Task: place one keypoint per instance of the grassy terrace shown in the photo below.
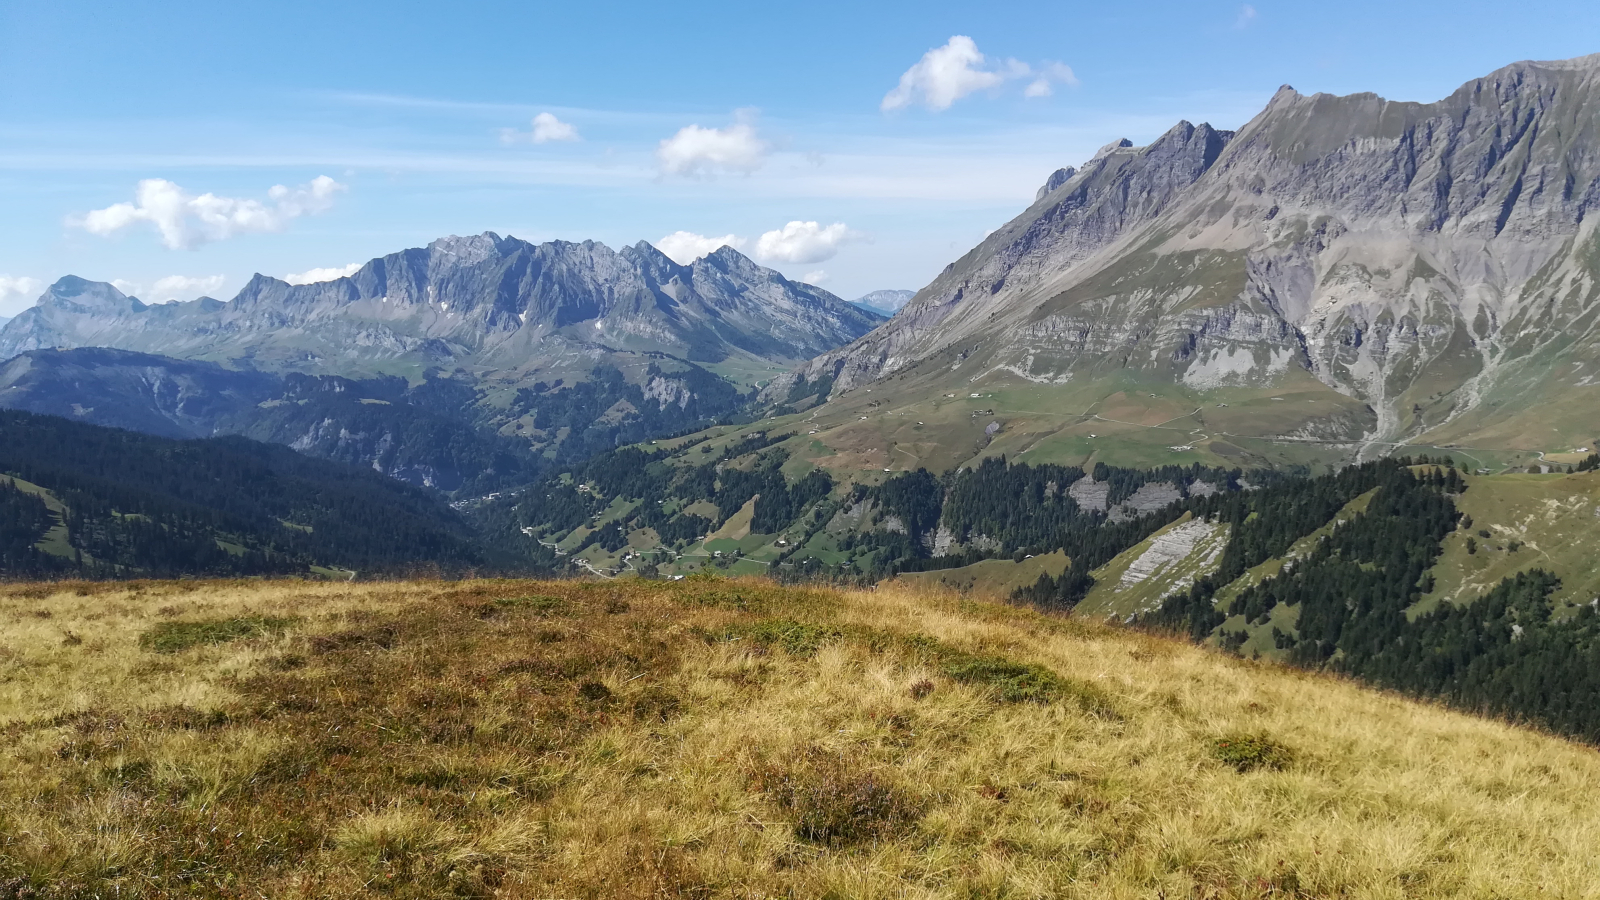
(727, 739)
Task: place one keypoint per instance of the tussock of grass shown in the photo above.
(175, 637)
(400, 742)
(1248, 752)
(837, 799)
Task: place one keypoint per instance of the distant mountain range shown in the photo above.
(484, 302)
(1387, 271)
(883, 302)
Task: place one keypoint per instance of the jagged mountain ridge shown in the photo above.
(484, 300)
(1436, 262)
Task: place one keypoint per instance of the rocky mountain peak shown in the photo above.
(467, 251)
(72, 292)
(1114, 146)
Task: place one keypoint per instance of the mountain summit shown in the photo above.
(1415, 271)
(481, 300)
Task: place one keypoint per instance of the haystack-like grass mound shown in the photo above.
(727, 739)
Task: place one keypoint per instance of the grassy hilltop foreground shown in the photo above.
(720, 738)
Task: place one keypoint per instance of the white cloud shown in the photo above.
(702, 151)
(546, 128)
(1048, 75)
(818, 278)
(684, 247)
(803, 242)
(1247, 14)
(17, 291)
(312, 276)
(18, 286)
(946, 74)
(184, 287)
(187, 221)
(172, 287)
(943, 76)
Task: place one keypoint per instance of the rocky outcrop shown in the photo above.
(1173, 546)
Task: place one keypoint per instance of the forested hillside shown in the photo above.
(87, 501)
(737, 499)
(449, 431)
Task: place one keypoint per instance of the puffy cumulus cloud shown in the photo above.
(185, 287)
(703, 151)
(684, 247)
(943, 76)
(818, 278)
(546, 129)
(312, 276)
(946, 74)
(186, 221)
(1047, 76)
(803, 242)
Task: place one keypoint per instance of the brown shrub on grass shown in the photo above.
(836, 798)
(1248, 752)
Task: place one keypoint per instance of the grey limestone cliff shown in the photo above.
(1431, 260)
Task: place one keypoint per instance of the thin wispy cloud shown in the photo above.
(1247, 14)
(1049, 75)
(186, 221)
(185, 287)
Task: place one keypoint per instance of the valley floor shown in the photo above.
(727, 738)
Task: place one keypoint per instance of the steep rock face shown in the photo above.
(1431, 260)
(1120, 189)
(481, 300)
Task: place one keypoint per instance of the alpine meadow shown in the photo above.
(811, 468)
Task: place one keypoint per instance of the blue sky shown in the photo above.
(286, 137)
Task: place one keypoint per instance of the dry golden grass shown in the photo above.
(727, 739)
